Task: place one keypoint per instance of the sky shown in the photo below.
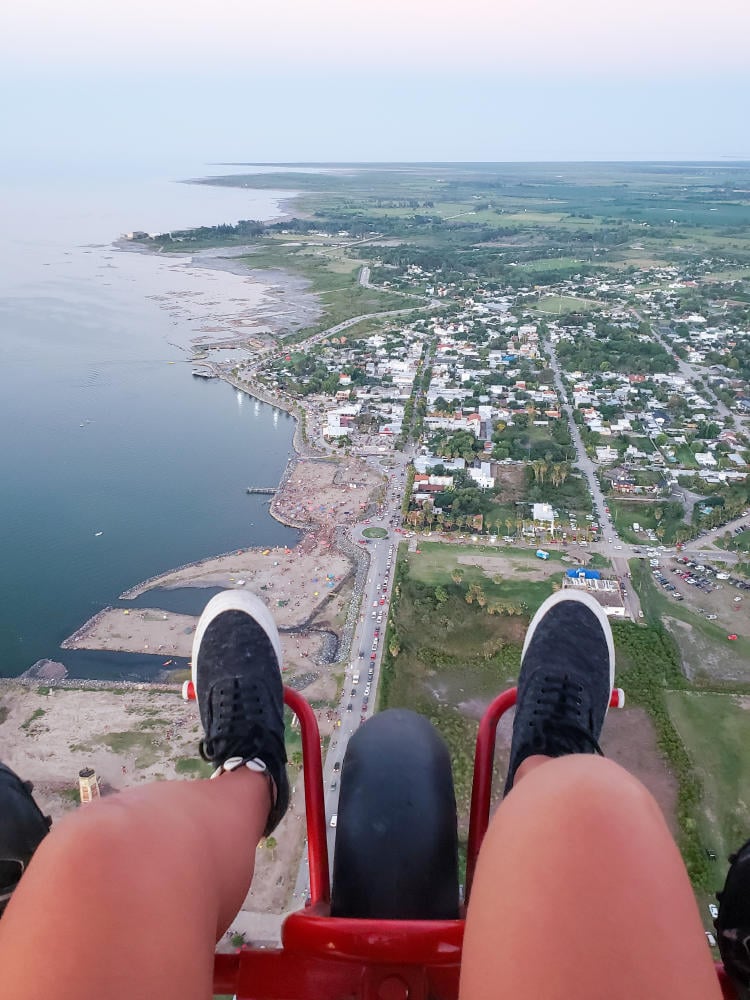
(332, 80)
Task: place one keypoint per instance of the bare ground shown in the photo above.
(131, 736)
(508, 566)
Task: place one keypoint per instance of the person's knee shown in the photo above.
(582, 788)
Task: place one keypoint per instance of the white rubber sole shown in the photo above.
(235, 600)
(593, 605)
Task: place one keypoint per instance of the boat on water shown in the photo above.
(203, 374)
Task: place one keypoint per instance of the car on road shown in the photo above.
(334, 785)
(732, 636)
(367, 691)
(349, 707)
(713, 909)
(337, 766)
(334, 820)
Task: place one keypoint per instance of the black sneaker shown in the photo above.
(23, 827)
(237, 679)
(567, 672)
(733, 922)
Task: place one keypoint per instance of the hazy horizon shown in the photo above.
(288, 83)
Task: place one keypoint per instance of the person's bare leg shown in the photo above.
(580, 892)
(127, 897)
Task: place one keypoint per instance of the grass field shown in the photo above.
(714, 728)
(626, 513)
(740, 542)
(686, 457)
(559, 305)
(435, 565)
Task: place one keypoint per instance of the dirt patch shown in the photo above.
(510, 480)
(506, 566)
(133, 735)
(629, 739)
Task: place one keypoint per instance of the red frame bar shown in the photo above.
(317, 845)
(481, 789)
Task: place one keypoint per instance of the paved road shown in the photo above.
(661, 332)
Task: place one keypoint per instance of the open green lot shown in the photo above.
(435, 563)
(740, 542)
(560, 305)
(714, 728)
(686, 457)
(660, 516)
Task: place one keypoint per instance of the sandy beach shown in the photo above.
(306, 587)
(130, 735)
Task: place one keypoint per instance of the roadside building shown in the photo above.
(607, 592)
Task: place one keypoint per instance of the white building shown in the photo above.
(543, 512)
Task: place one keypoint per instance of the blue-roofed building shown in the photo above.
(580, 573)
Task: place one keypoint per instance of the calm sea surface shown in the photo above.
(115, 463)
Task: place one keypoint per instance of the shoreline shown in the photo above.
(344, 485)
(308, 473)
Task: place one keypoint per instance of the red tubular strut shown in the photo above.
(317, 846)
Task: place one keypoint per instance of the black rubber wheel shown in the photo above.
(396, 853)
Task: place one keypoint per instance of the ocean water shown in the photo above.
(115, 462)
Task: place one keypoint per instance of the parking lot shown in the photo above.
(708, 590)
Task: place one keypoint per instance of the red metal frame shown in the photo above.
(339, 958)
(317, 845)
